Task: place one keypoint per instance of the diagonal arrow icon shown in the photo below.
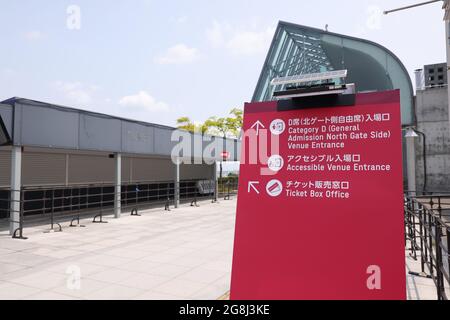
(252, 185)
(258, 125)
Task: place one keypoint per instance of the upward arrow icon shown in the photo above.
(258, 125)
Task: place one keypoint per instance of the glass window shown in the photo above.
(298, 50)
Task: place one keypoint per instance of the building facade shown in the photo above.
(433, 143)
(86, 160)
(435, 75)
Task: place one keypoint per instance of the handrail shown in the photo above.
(59, 203)
(428, 232)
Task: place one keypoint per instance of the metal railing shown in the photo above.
(427, 221)
(228, 187)
(11, 213)
(5, 199)
(55, 205)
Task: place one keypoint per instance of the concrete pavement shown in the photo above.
(184, 254)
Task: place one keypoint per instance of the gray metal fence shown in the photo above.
(55, 205)
(427, 221)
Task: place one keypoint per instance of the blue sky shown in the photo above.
(158, 60)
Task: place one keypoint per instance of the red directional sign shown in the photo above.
(320, 214)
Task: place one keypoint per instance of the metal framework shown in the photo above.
(293, 52)
(298, 50)
(305, 78)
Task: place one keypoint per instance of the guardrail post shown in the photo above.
(439, 264)
(440, 207)
(448, 251)
(417, 214)
(412, 228)
(77, 218)
(216, 187)
(228, 196)
(52, 213)
(167, 204)
(421, 212)
(18, 233)
(99, 218)
(177, 184)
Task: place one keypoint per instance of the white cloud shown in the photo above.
(76, 92)
(239, 41)
(34, 35)
(143, 100)
(178, 54)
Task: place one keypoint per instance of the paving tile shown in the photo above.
(152, 295)
(189, 261)
(183, 255)
(168, 270)
(114, 292)
(13, 291)
(111, 276)
(180, 288)
(6, 268)
(202, 275)
(218, 265)
(426, 293)
(211, 292)
(140, 266)
(86, 287)
(5, 251)
(109, 243)
(126, 253)
(29, 260)
(41, 280)
(150, 247)
(161, 257)
(48, 295)
(105, 260)
(85, 268)
(144, 281)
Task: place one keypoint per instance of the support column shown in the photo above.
(67, 169)
(411, 161)
(16, 184)
(118, 187)
(447, 46)
(177, 184)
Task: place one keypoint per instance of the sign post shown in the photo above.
(321, 216)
